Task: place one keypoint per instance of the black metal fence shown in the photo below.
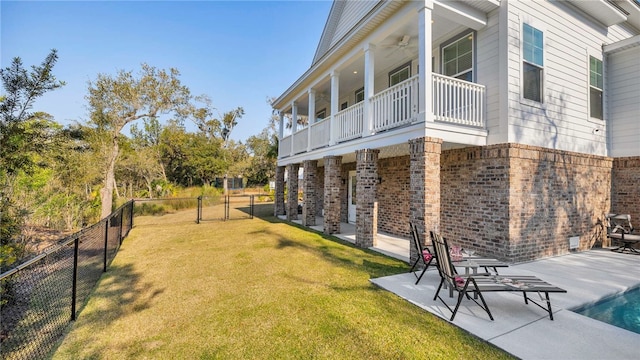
(232, 207)
(41, 296)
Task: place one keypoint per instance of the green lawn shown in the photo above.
(254, 289)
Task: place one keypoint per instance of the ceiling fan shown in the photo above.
(404, 44)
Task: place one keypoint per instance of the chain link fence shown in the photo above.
(225, 208)
(41, 296)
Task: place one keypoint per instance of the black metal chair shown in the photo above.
(479, 283)
(619, 227)
(425, 256)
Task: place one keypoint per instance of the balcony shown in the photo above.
(454, 101)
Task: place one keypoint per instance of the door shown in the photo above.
(351, 208)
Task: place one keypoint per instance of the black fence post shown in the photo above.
(74, 287)
(199, 209)
(121, 215)
(131, 215)
(227, 200)
(106, 243)
(251, 206)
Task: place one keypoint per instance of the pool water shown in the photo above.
(622, 310)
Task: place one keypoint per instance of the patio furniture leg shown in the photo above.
(438, 291)
(546, 299)
(421, 274)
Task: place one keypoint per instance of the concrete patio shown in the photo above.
(526, 330)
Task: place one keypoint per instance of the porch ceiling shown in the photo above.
(448, 19)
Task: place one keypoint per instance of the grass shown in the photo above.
(258, 289)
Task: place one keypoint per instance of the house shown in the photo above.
(507, 126)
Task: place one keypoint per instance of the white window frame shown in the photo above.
(589, 86)
(543, 81)
(454, 40)
(397, 70)
(358, 93)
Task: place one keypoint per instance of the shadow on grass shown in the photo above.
(119, 293)
(332, 248)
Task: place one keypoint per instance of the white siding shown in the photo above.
(623, 97)
(487, 74)
(352, 13)
(563, 121)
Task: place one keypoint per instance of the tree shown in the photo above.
(117, 101)
(20, 138)
(229, 121)
(264, 154)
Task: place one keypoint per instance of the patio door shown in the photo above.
(351, 208)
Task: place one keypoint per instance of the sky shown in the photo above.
(238, 53)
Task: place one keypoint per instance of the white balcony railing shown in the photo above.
(284, 147)
(321, 133)
(454, 101)
(457, 101)
(350, 122)
(395, 106)
(300, 140)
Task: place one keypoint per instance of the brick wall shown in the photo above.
(278, 206)
(319, 190)
(310, 183)
(332, 194)
(520, 202)
(292, 191)
(393, 195)
(625, 190)
(366, 197)
(475, 198)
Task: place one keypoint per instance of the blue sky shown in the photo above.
(237, 52)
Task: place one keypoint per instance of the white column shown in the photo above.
(294, 124)
(425, 105)
(312, 115)
(281, 123)
(335, 88)
(369, 76)
(294, 117)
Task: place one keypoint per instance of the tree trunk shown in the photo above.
(115, 187)
(106, 193)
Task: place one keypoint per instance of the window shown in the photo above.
(344, 105)
(359, 95)
(400, 74)
(457, 58)
(595, 88)
(532, 63)
(321, 114)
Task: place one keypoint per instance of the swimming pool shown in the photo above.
(622, 310)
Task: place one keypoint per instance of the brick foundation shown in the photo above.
(366, 202)
(519, 203)
(424, 191)
(332, 193)
(292, 191)
(625, 189)
(278, 206)
(393, 196)
(309, 192)
(625, 192)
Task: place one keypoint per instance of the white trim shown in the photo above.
(461, 14)
(503, 73)
(454, 40)
(526, 19)
(622, 45)
(591, 119)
